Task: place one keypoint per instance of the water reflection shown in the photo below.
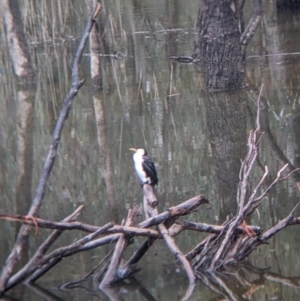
(226, 121)
(196, 138)
(25, 150)
(248, 283)
(245, 283)
(99, 113)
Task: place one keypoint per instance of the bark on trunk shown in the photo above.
(221, 41)
(217, 45)
(17, 45)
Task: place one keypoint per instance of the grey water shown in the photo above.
(196, 139)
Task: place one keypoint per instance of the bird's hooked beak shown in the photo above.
(133, 149)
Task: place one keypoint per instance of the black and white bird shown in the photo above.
(144, 167)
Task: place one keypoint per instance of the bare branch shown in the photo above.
(253, 23)
(182, 209)
(44, 247)
(206, 228)
(41, 188)
(175, 250)
(111, 275)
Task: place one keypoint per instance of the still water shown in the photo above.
(196, 139)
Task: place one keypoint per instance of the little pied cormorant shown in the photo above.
(144, 167)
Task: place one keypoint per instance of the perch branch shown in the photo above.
(149, 195)
(182, 209)
(124, 271)
(168, 218)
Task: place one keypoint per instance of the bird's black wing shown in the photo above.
(150, 170)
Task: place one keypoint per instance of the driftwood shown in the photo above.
(225, 244)
(41, 262)
(203, 255)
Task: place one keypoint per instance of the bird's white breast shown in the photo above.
(137, 158)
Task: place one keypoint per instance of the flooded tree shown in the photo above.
(17, 44)
(221, 41)
(224, 244)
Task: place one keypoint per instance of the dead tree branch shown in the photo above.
(44, 247)
(225, 243)
(184, 208)
(180, 226)
(111, 275)
(163, 220)
(230, 244)
(51, 259)
(168, 239)
(245, 170)
(41, 187)
(175, 250)
(253, 23)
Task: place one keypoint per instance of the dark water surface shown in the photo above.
(196, 139)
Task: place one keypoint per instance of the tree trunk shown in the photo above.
(226, 124)
(16, 40)
(217, 45)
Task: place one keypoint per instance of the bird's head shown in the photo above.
(139, 150)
